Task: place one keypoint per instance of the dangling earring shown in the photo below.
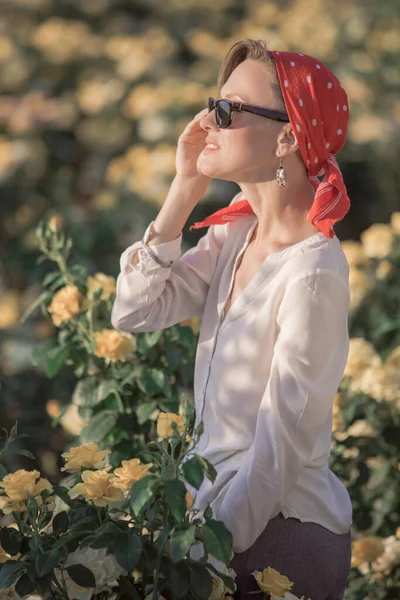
(281, 175)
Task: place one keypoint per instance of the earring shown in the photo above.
(281, 175)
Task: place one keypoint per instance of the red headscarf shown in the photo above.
(318, 111)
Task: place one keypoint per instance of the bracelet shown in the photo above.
(156, 258)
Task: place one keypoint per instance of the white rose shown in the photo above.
(104, 567)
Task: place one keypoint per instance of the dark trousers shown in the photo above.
(313, 557)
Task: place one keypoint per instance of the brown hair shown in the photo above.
(256, 50)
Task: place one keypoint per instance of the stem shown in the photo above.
(121, 405)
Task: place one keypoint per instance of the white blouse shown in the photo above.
(265, 376)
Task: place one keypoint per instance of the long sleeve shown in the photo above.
(309, 358)
(151, 297)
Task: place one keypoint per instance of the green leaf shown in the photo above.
(75, 534)
(99, 426)
(181, 541)
(180, 580)
(208, 513)
(79, 272)
(39, 353)
(62, 492)
(61, 522)
(47, 561)
(200, 582)
(90, 391)
(25, 585)
(102, 537)
(152, 381)
(9, 572)
(42, 299)
(217, 540)
(26, 453)
(50, 277)
(81, 575)
(175, 492)
(153, 337)
(142, 491)
(193, 472)
(10, 540)
(185, 335)
(208, 468)
(55, 360)
(144, 410)
(128, 549)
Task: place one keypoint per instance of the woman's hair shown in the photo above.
(256, 50)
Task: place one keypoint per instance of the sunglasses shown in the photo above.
(224, 109)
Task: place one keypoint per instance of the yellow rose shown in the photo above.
(164, 421)
(188, 499)
(132, 470)
(55, 223)
(87, 455)
(3, 556)
(395, 222)
(99, 280)
(366, 549)
(272, 582)
(18, 487)
(98, 486)
(9, 309)
(218, 589)
(66, 303)
(21, 484)
(114, 345)
(378, 240)
(355, 254)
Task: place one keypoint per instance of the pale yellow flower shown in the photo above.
(188, 499)
(72, 421)
(218, 589)
(98, 486)
(67, 303)
(9, 309)
(395, 222)
(132, 470)
(394, 358)
(366, 549)
(164, 421)
(362, 355)
(100, 280)
(3, 556)
(386, 562)
(114, 345)
(55, 223)
(21, 484)
(87, 456)
(354, 253)
(384, 269)
(53, 408)
(18, 486)
(381, 383)
(377, 240)
(193, 322)
(360, 285)
(271, 581)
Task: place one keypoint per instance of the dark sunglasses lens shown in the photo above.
(223, 113)
(211, 104)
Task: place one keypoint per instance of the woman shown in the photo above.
(271, 282)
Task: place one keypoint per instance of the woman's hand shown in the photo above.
(190, 144)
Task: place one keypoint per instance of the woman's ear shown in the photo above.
(287, 141)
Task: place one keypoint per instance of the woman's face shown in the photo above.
(247, 149)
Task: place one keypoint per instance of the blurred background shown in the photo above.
(94, 94)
